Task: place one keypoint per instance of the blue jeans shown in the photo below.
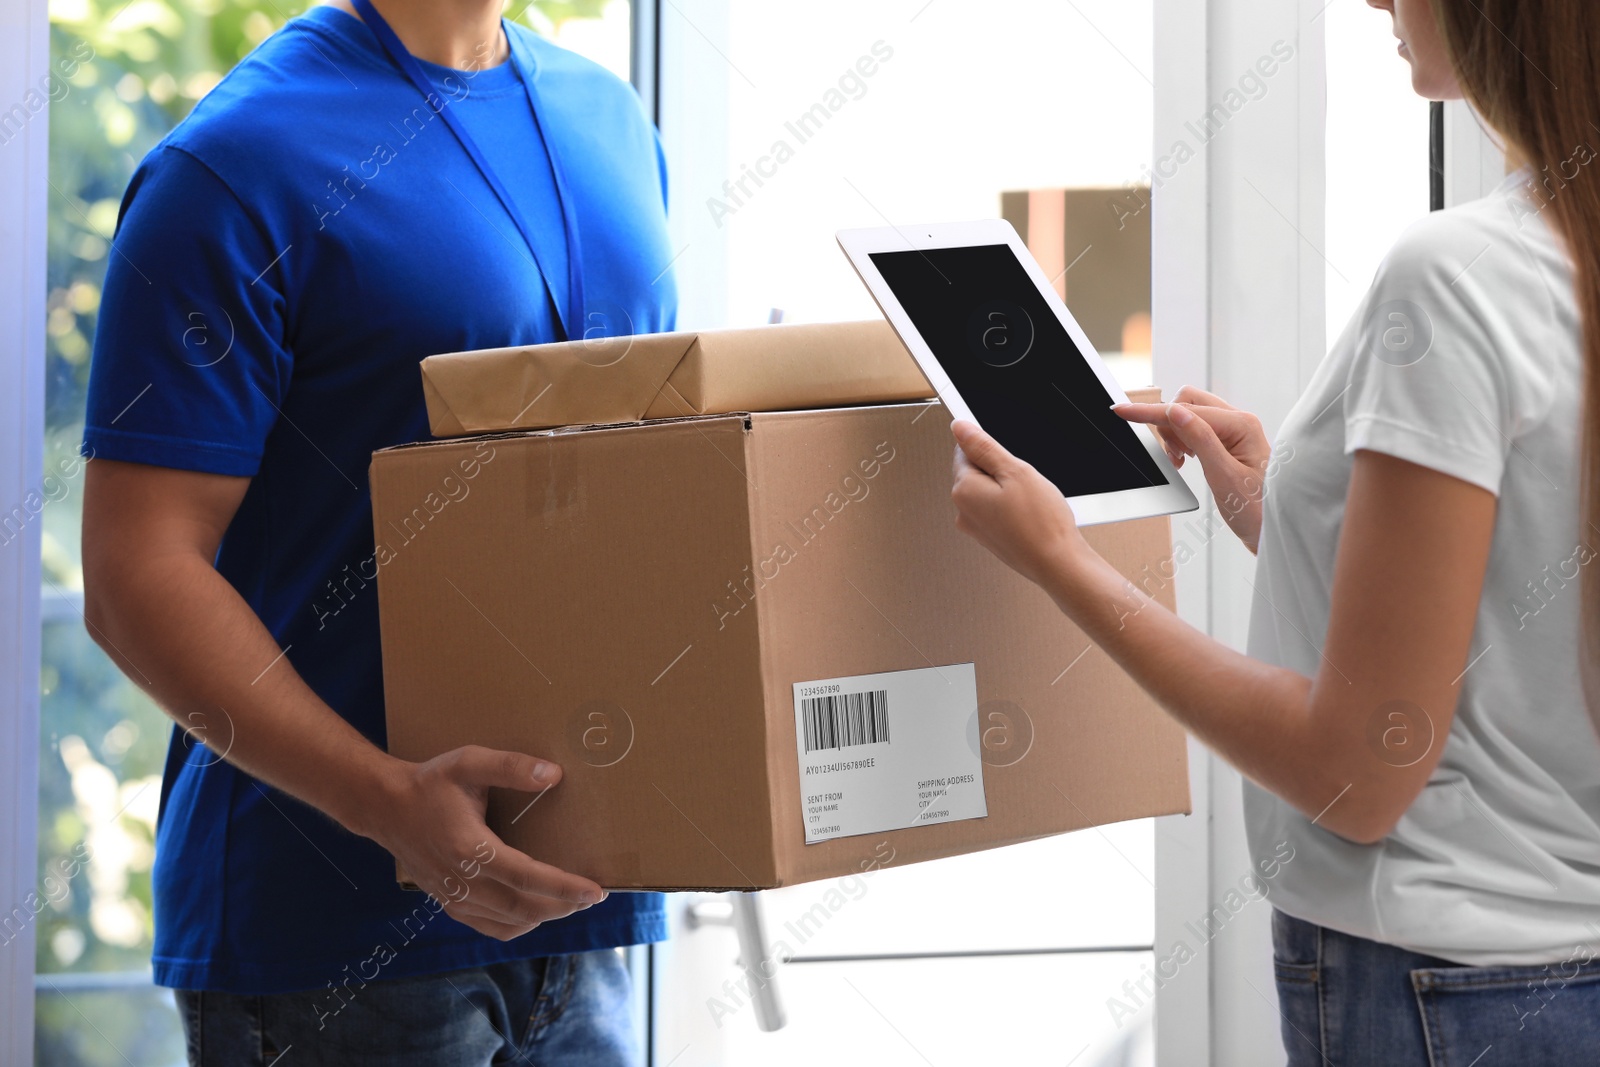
(556, 1011)
(1350, 1002)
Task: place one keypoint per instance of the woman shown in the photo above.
(1411, 714)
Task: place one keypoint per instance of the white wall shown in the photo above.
(1475, 163)
(1377, 162)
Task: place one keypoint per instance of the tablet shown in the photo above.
(1001, 349)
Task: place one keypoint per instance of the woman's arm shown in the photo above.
(1354, 745)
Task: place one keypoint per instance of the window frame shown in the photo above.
(24, 163)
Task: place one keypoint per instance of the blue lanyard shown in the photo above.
(573, 316)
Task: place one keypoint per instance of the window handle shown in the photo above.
(743, 912)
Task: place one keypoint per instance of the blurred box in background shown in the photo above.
(1095, 244)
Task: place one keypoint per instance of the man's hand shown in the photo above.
(1010, 508)
(1232, 448)
(430, 816)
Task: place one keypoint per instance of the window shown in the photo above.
(128, 73)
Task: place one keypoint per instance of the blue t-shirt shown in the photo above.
(284, 259)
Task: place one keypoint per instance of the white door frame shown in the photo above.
(1180, 295)
(24, 60)
(1239, 301)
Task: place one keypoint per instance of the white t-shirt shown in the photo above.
(1464, 358)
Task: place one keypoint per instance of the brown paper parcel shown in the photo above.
(668, 375)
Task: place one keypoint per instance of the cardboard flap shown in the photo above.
(538, 386)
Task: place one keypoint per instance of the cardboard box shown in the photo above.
(669, 375)
(639, 603)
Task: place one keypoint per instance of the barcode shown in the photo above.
(846, 719)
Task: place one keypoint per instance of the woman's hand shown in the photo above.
(1011, 509)
(1230, 444)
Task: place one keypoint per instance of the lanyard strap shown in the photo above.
(572, 318)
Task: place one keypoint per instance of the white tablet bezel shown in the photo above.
(1089, 510)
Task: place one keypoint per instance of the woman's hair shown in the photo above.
(1532, 70)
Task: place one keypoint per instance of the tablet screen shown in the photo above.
(1013, 362)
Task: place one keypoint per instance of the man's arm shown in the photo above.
(155, 602)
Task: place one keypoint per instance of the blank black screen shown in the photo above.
(1013, 362)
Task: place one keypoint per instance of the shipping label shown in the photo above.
(888, 751)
